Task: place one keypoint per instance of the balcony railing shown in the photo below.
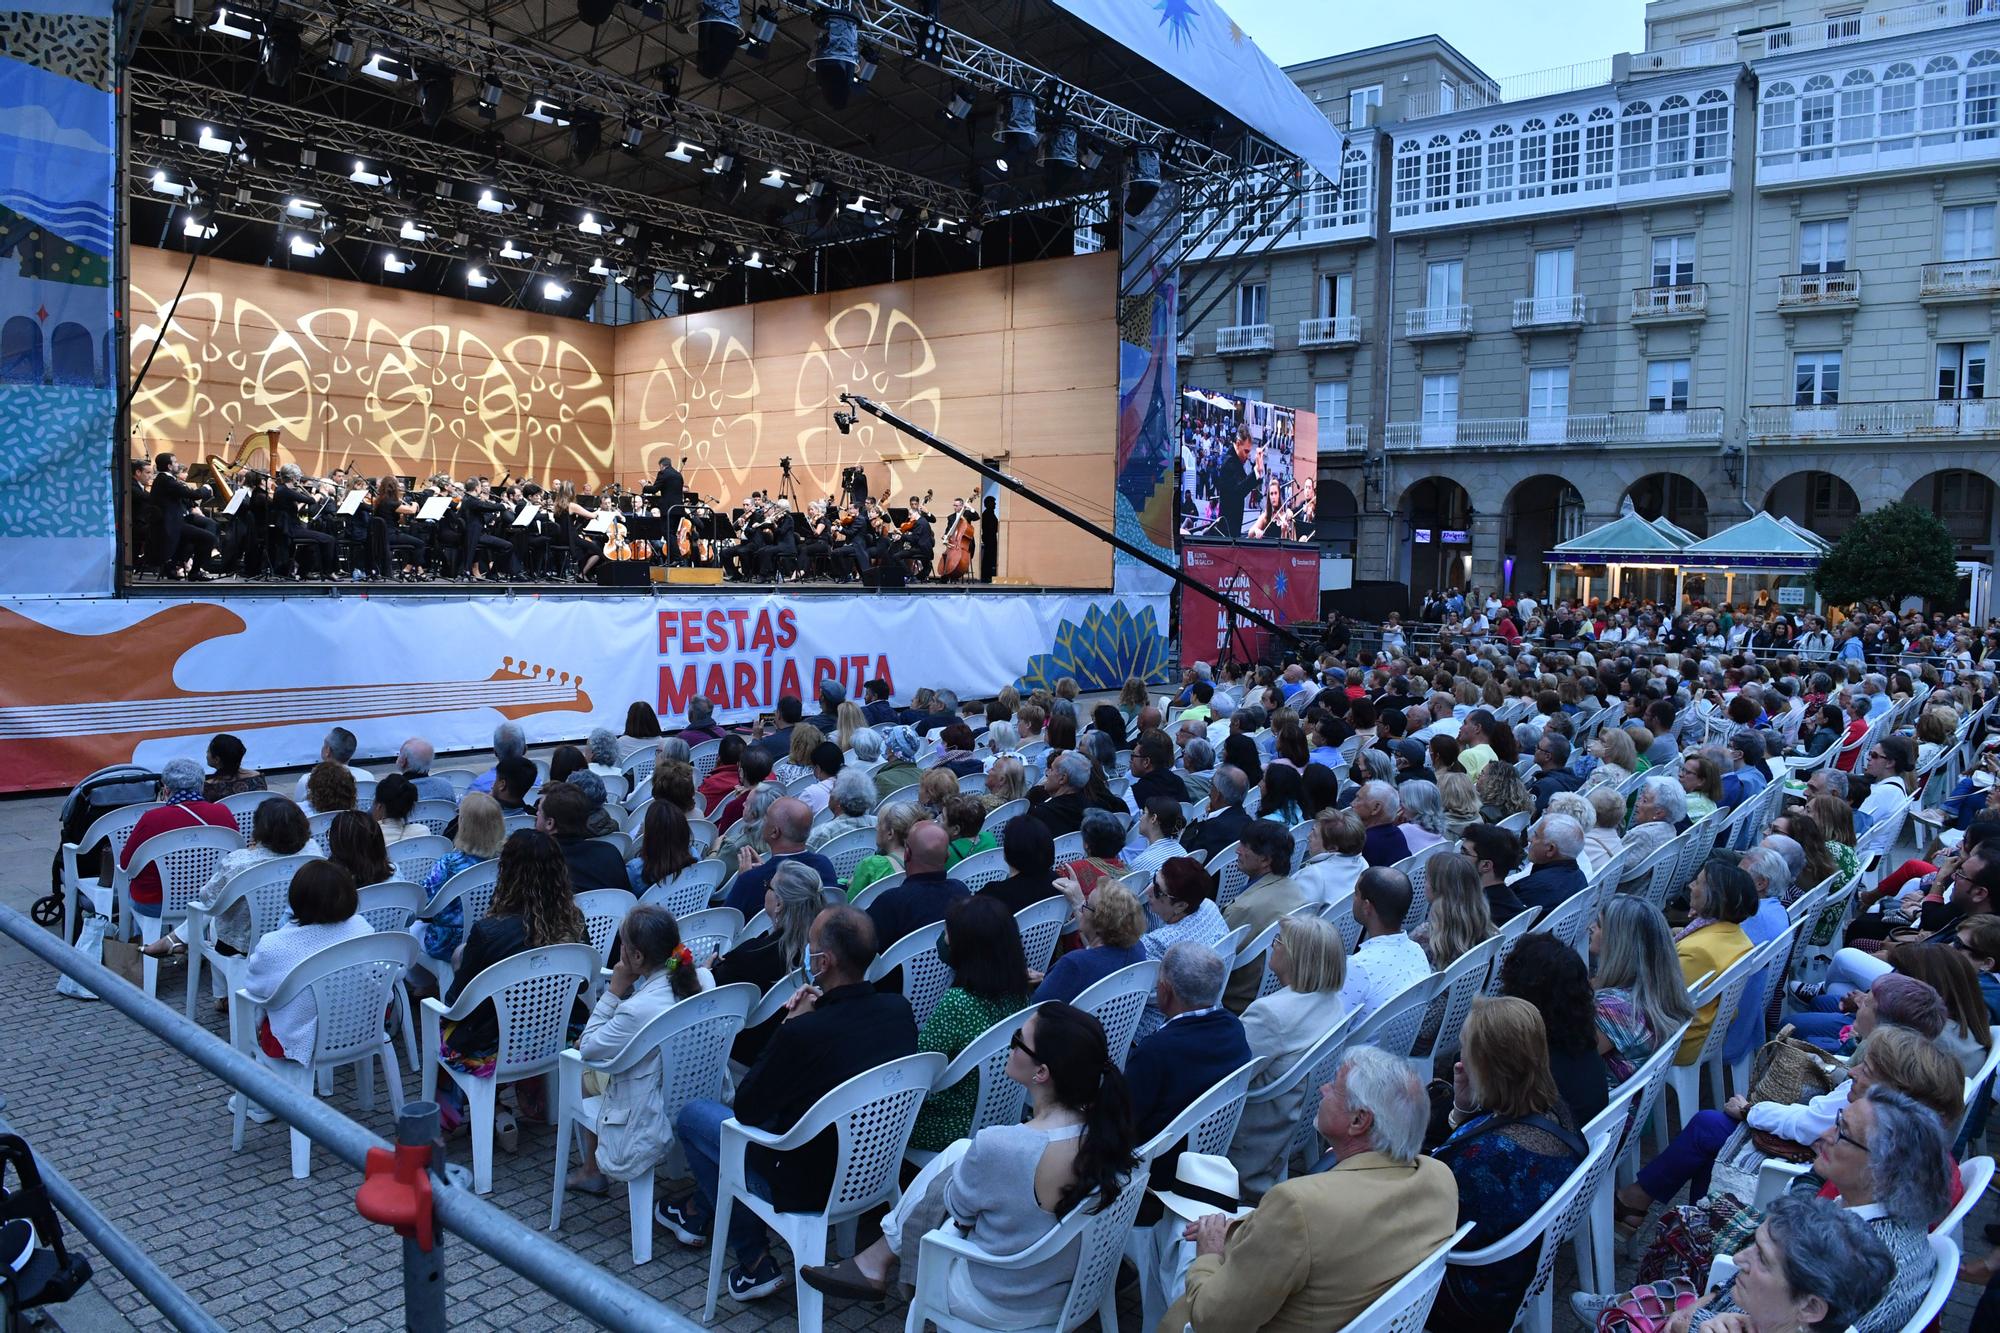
(1687, 301)
(1551, 312)
(1918, 418)
(1847, 29)
(1960, 280)
(1695, 55)
(1351, 437)
(1184, 347)
(1699, 423)
(1333, 331)
(1438, 321)
(1819, 290)
(1244, 340)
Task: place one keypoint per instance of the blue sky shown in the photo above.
(1501, 38)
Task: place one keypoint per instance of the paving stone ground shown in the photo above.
(145, 1134)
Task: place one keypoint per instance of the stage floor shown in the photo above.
(181, 589)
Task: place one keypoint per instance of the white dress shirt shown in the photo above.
(1381, 969)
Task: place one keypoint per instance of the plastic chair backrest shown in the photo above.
(243, 806)
(350, 983)
(925, 975)
(1981, 1081)
(999, 1099)
(1257, 949)
(532, 993)
(435, 815)
(776, 998)
(701, 835)
(634, 822)
(620, 843)
(704, 757)
(874, 1112)
(1517, 822)
(877, 889)
(980, 869)
(1413, 866)
(1230, 881)
(996, 823)
(1944, 1276)
(1570, 922)
(1100, 1244)
(710, 932)
(473, 888)
(639, 765)
(515, 823)
(1395, 1025)
(1726, 991)
(185, 859)
(1650, 1081)
(1341, 912)
(692, 1038)
(604, 911)
(1974, 1175)
(320, 822)
(1463, 981)
(1301, 842)
(461, 779)
(848, 850)
(1313, 1070)
(1552, 1225)
(1069, 847)
(798, 785)
(414, 857)
(390, 905)
(758, 924)
(1209, 1122)
(1511, 933)
(1041, 925)
(1406, 1306)
(1117, 1002)
(113, 826)
(264, 890)
(690, 891)
(1232, 942)
(900, 796)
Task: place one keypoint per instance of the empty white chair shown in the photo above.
(264, 891)
(435, 815)
(184, 860)
(925, 976)
(1041, 925)
(1551, 1225)
(873, 1114)
(114, 827)
(980, 869)
(1118, 1002)
(999, 1099)
(692, 1039)
(532, 993)
(472, 888)
(351, 984)
(1405, 1307)
(414, 857)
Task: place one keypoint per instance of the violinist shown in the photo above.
(736, 556)
(573, 511)
(291, 501)
(530, 541)
(922, 539)
(185, 532)
(389, 543)
(816, 550)
(482, 515)
(851, 556)
(246, 535)
(783, 543)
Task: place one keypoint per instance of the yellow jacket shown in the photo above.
(1711, 949)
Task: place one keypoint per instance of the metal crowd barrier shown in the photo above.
(561, 1272)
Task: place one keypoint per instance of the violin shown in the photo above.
(915, 509)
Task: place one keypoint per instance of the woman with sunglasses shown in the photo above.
(1009, 1184)
(1182, 897)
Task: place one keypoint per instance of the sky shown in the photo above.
(1504, 38)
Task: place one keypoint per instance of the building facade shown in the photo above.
(1751, 267)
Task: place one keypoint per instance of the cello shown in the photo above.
(956, 560)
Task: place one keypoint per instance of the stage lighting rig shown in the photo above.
(1059, 158)
(489, 96)
(435, 94)
(385, 66)
(1142, 178)
(1016, 131)
(634, 135)
(233, 23)
(763, 28)
(586, 134)
(278, 53)
(718, 29)
(836, 61)
(959, 105)
(595, 12)
(183, 12)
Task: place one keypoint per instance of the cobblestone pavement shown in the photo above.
(145, 1134)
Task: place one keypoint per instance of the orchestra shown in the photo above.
(255, 518)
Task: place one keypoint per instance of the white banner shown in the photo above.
(1199, 44)
(97, 682)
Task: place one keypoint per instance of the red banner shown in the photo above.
(1278, 579)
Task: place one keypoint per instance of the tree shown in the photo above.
(1899, 551)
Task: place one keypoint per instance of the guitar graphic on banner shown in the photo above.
(74, 703)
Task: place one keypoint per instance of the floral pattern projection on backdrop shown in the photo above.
(1111, 645)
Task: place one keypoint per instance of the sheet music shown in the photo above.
(351, 502)
(236, 500)
(602, 521)
(433, 509)
(528, 515)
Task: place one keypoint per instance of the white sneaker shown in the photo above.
(1588, 1306)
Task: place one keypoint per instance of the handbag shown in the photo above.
(1790, 1072)
(1650, 1308)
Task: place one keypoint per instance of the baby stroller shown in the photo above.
(51, 1273)
(103, 791)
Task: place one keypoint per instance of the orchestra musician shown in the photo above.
(574, 511)
(668, 493)
(185, 532)
(389, 542)
(851, 556)
(246, 534)
(921, 538)
(530, 541)
(143, 528)
(292, 502)
(816, 549)
(482, 514)
(783, 543)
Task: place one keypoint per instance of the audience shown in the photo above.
(1181, 897)
(926, 893)
(564, 814)
(227, 776)
(1640, 994)
(989, 983)
(1110, 926)
(1387, 962)
(1720, 900)
(1333, 857)
(786, 823)
(1265, 859)
(1310, 965)
(1547, 973)
(339, 746)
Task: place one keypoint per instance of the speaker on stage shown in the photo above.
(623, 574)
(884, 576)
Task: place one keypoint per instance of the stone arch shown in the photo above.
(1336, 517)
(1818, 501)
(1539, 512)
(1429, 509)
(1968, 503)
(1678, 498)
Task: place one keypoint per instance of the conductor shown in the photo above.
(669, 493)
(1235, 484)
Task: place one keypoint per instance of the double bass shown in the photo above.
(955, 562)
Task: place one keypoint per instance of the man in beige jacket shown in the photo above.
(1321, 1247)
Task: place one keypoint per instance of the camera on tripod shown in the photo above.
(850, 477)
(785, 464)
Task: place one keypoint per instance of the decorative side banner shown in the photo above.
(93, 683)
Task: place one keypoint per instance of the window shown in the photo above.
(1440, 404)
(1500, 165)
(1857, 111)
(1444, 284)
(1470, 155)
(1253, 303)
(1330, 406)
(1600, 138)
(1711, 133)
(1566, 155)
(1357, 187)
(1548, 403)
(1816, 379)
(1555, 274)
(1358, 102)
(1778, 122)
(1437, 175)
(1899, 105)
(1823, 246)
(1336, 295)
(1672, 149)
(1968, 233)
(1673, 261)
(1982, 94)
(1938, 95)
(1961, 371)
(1635, 144)
(1667, 386)
(1816, 107)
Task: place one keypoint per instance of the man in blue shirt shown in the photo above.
(925, 894)
(786, 826)
(1746, 777)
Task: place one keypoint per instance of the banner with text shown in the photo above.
(1276, 578)
(105, 682)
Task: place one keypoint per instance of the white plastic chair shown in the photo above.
(1230, 881)
(900, 796)
(1041, 925)
(980, 869)
(996, 822)
(634, 822)
(638, 766)
(114, 826)
(1944, 1276)
(515, 823)
(925, 976)
(1569, 922)
(691, 890)
(1206, 1125)
(265, 891)
(472, 888)
(435, 815)
(1414, 865)
(1405, 1307)
(243, 806)
(873, 1113)
(604, 911)
(1727, 991)
(1550, 1227)
(618, 842)
(1258, 950)
(1611, 1126)
(184, 859)
(848, 850)
(1517, 823)
(390, 905)
(1511, 933)
(1314, 1068)
(999, 1099)
(413, 858)
(461, 779)
(711, 931)
(351, 984)
(1069, 847)
(1395, 1026)
(861, 900)
(702, 834)
(691, 1040)
(1463, 981)
(1118, 1002)
(532, 993)
(705, 757)
(319, 825)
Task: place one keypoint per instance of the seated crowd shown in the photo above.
(1281, 863)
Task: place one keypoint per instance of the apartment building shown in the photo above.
(1750, 267)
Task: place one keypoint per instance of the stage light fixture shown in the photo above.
(763, 27)
(586, 135)
(309, 158)
(553, 290)
(303, 209)
(598, 269)
(444, 189)
(232, 23)
(755, 259)
(170, 127)
(1142, 178)
(776, 178)
(894, 212)
(385, 66)
(787, 264)
(278, 53)
(491, 201)
(930, 42)
(332, 230)
(509, 250)
(479, 278)
(724, 161)
(837, 58)
(825, 208)
(395, 263)
(1016, 131)
(244, 196)
(960, 104)
(594, 12)
(813, 190)
(545, 111)
(363, 174)
(627, 275)
(859, 204)
(590, 225)
(535, 208)
(435, 94)
(167, 185)
(684, 151)
(489, 97)
(410, 231)
(1092, 157)
(306, 247)
(670, 80)
(340, 52)
(198, 225)
(681, 283)
(635, 134)
(184, 11)
(975, 233)
(703, 288)
(731, 182)
(1000, 165)
(718, 31)
(1059, 158)
(870, 62)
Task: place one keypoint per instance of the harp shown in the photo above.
(260, 451)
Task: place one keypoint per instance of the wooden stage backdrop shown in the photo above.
(1018, 362)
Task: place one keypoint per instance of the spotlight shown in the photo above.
(332, 230)
(554, 291)
(1016, 130)
(479, 278)
(586, 133)
(974, 234)
(591, 225)
(444, 189)
(363, 174)
(718, 32)
(211, 141)
(167, 185)
(309, 157)
(684, 151)
(395, 263)
(865, 71)
(302, 209)
(199, 224)
(305, 247)
(278, 54)
(184, 11)
(775, 178)
(1059, 158)
(763, 27)
(787, 264)
(1142, 178)
(435, 95)
(594, 12)
(340, 53)
(724, 161)
(960, 105)
(599, 269)
(545, 111)
(1092, 156)
(492, 201)
(859, 204)
(384, 66)
(813, 190)
(509, 250)
(635, 133)
(1000, 165)
(489, 97)
(703, 288)
(410, 231)
(670, 80)
(681, 283)
(232, 23)
(755, 259)
(837, 59)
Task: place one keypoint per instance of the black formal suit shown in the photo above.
(529, 542)
(142, 527)
(1168, 1070)
(783, 545)
(989, 541)
(1216, 831)
(1064, 813)
(481, 517)
(1232, 487)
(593, 864)
(305, 540)
(183, 533)
(850, 1030)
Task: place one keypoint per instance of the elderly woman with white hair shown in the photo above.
(1657, 815)
(850, 799)
(749, 830)
(1599, 844)
(604, 752)
(1423, 814)
(1794, 855)
(1001, 739)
